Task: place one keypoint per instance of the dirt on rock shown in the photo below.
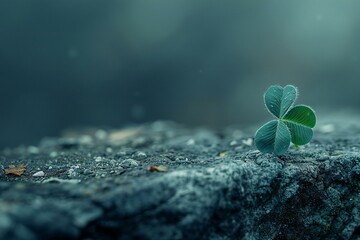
(166, 181)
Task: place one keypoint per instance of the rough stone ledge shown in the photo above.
(312, 193)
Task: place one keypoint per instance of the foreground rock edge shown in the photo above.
(255, 197)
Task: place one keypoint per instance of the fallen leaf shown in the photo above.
(17, 171)
(223, 154)
(157, 168)
(124, 134)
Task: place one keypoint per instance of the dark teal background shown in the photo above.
(76, 63)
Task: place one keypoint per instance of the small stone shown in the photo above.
(98, 159)
(239, 149)
(140, 155)
(72, 172)
(190, 142)
(129, 163)
(33, 150)
(122, 153)
(87, 172)
(53, 154)
(101, 134)
(39, 174)
(179, 158)
(120, 171)
(327, 128)
(109, 150)
(86, 139)
(233, 143)
(248, 142)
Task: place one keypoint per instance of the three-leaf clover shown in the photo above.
(293, 124)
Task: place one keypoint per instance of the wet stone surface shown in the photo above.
(165, 181)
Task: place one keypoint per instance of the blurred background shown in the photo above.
(109, 63)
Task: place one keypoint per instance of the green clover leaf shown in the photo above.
(293, 124)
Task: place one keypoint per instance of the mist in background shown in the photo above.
(101, 63)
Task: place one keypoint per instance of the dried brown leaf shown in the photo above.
(16, 170)
(157, 168)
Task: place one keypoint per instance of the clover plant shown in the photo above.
(293, 124)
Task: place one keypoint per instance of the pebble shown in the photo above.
(39, 174)
(190, 142)
(179, 158)
(327, 128)
(86, 139)
(98, 159)
(87, 172)
(72, 171)
(101, 134)
(239, 149)
(140, 155)
(233, 143)
(33, 150)
(129, 163)
(248, 142)
(53, 154)
(122, 153)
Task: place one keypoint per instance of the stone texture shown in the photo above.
(216, 187)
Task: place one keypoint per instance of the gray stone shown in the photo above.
(129, 163)
(310, 193)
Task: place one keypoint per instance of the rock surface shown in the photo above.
(102, 184)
